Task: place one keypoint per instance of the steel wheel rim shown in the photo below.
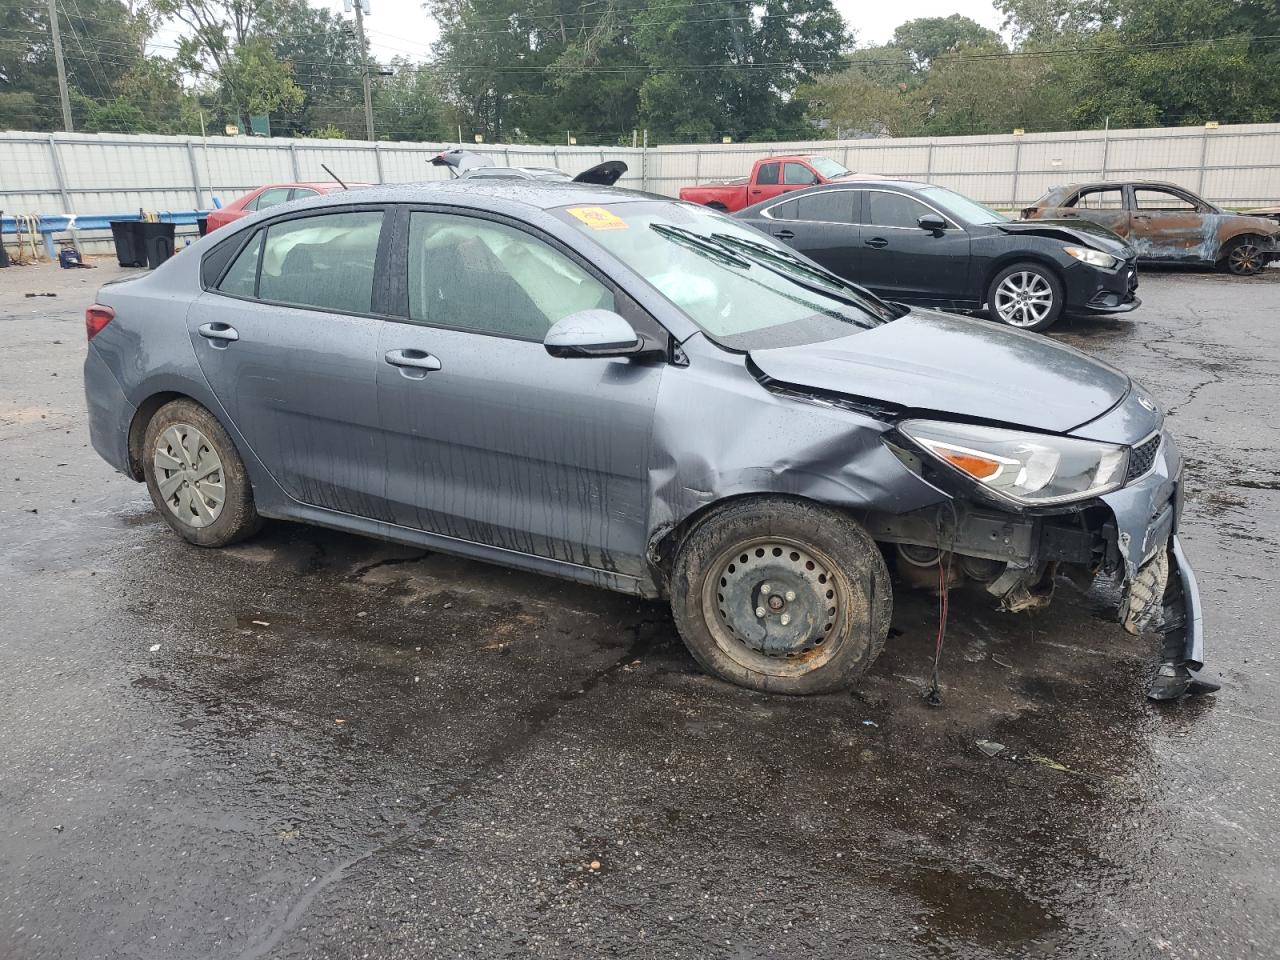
(754, 584)
(189, 475)
(1244, 258)
(1024, 299)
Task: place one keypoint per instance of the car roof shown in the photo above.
(493, 192)
(1121, 183)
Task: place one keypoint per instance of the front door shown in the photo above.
(287, 343)
(489, 438)
(899, 260)
(1169, 225)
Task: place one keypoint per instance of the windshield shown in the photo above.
(829, 168)
(738, 285)
(960, 206)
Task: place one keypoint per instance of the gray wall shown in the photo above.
(1236, 166)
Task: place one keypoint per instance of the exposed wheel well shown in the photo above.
(138, 428)
(665, 544)
(1231, 241)
(717, 205)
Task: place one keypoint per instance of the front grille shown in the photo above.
(1142, 458)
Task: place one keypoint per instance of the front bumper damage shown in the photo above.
(1130, 535)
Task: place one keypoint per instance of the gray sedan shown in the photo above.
(640, 394)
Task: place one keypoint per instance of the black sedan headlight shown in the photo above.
(1095, 258)
(1029, 469)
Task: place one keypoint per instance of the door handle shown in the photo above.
(1142, 216)
(876, 242)
(785, 235)
(757, 190)
(219, 331)
(413, 359)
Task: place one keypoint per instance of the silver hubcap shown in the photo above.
(774, 605)
(1024, 299)
(189, 475)
(1244, 259)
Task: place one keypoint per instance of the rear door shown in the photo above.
(899, 260)
(287, 338)
(489, 438)
(1103, 205)
(767, 182)
(821, 225)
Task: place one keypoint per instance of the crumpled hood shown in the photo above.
(957, 366)
(1073, 229)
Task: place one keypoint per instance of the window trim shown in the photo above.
(381, 257)
(1072, 203)
(792, 197)
(865, 209)
(625, 305)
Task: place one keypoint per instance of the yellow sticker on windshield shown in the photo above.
(598, 218)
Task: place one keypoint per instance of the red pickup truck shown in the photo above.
(769, 177)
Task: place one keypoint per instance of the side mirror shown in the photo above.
(592, 333)
(932, 222)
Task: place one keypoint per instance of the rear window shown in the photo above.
(324, 261)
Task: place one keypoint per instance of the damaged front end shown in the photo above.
(1128, 533)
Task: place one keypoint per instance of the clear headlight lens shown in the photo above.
(1095, 257)
(1028, 468)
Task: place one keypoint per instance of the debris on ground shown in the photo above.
(990, 747)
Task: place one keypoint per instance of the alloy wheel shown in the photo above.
(1024, 299)
(189, 475)
(1245, 259)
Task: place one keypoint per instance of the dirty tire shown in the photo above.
(1242, 257)
(813, 561)
(1038, 281)
(220, 524)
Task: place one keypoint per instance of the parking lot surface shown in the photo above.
(316, 745)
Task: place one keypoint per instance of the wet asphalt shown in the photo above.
(313, 745)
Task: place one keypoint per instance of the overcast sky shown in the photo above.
(402, 27)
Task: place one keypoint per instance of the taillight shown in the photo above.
(97, 317)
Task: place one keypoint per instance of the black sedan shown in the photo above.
(922, 244)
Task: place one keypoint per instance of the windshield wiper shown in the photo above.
(700, 244)
(763, 253)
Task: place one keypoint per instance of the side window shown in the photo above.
(784, 211)
(270, 198)
(826, 206)
(487, 277)
(1147, 199)
(325, 261)
(1110, 198)
(886, 209)
(797, 174)
(767, 175)
(240, 278)
(297, 193)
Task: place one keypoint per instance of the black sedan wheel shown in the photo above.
(1025, 295)
(1244, 257)
(782, 595)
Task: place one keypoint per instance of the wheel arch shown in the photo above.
(1243, 233)
(665, 542)
(1006, 260)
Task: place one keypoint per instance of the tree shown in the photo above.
(408, 106)
(731, 67)
(927, 38)
(102, 42)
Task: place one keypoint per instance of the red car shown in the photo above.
(769, 178)
(269, 196)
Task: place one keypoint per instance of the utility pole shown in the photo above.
(62, 67)
(364, 65)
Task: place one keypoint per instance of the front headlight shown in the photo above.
(1094, 257)
(1031, 469)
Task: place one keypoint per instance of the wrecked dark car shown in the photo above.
(469, 165)
(1166, 223)
(922, 244)
(640, 394)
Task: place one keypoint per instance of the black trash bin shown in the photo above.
(202, 225)
(157, 242)
(127, 235)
